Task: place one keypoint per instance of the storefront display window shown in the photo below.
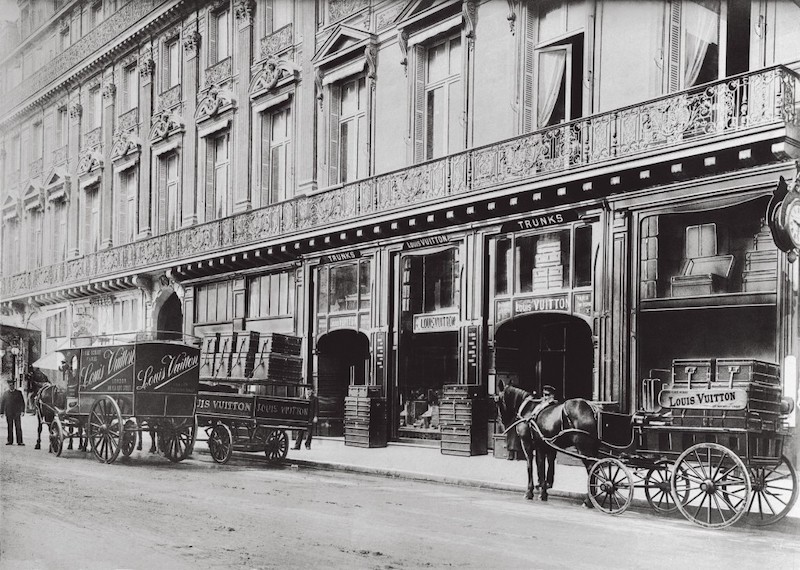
(271, 295)
(429, 281)
(344, 288)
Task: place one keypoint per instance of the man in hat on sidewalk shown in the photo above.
(12, 404)
(313, 410)
(548, 399)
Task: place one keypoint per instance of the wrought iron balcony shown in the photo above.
(740, 105)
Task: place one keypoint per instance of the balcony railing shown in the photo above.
(756, 100)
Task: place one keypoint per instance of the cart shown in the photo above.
(117, 390)
(713, 451)
(249, 422)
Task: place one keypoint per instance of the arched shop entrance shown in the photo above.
(532, 350)
(342, 361)
(169, 318)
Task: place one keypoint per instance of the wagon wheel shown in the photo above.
(176, 436)
(774, 492)
(658, 487)
(220, 443)
(56, 436)
(277, 445)
(610, 486)
(105, 429)
(716, 482)
(130, 433)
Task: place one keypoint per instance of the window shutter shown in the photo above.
(163, 167)
(165, 68)
(268, 17)
(87, 221)
(419, 104)
(266, 129)
(209, 179)
(674, 47)
(529, 87)
(333, 153)
(212, 39)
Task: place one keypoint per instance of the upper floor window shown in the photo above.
(350, 131)
(63, 39)
(59, 230)
(213, 302)
(168, 193)
(126, 213)
(559, 93)
(37, 238)
(15, 159)
(36, 141)
(220, 147)
(61, 127)
(219, 37)
(95, 14)
(276, 152)
(276, 14)
(130, 82)
(700, 41)
(95, 108)
(440, 119)
(91, 219)
(172, 65)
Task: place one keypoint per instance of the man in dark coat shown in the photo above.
(12, 404)
(313, 410)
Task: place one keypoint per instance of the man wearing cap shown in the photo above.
(12, 404)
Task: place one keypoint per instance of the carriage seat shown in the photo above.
(615, 429)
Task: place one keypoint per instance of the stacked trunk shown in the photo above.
(463, 419)
(760, 379)
(365, 417)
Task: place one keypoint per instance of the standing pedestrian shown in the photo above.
(12, 404)
(313, 410)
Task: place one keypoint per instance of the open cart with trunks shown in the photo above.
(116, 390)
(252, 393)
(711, 446)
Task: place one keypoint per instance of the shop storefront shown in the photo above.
(541, 300)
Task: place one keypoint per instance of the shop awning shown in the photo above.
(53, 360)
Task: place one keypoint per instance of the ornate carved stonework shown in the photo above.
(76, 110)
(512, 14)
(191, 42)
(128, 120)
(147, 66)
(277, 41)
(388, 16)
(93, 138)
(170, 98)
(470, 12)
(338, 9)
(318, 75)
(35, 168)
(244, 10)
(109, 90)
(402, 42)
(128, 60)
(125, 143)
(60, 155)
(371, 55)
(269, 74)
(212, 101)
(219, 72)
(165, 123)
(89, 160)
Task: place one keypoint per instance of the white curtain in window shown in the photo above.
(552, 65)
(701, 25)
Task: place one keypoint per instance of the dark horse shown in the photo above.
(571, 424)
(49, 399)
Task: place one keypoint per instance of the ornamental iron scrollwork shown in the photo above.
(219, 72)
(277, 41)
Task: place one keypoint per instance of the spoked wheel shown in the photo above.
(105, 429)
(774, 493)
(176, 436)
(56, 436)
(130, 433)
(610, 486)
(277, 445)
(220, 443)
(717, 485)
(658, 487)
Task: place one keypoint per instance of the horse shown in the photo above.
(50, 398)
(569, 424)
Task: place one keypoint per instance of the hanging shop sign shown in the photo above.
(704, 399)
(558, 303)
(540, 221)
(436, 322)
(426, 242)
(343, 256)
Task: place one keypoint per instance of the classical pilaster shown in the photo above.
(146, 70)
(306, 166)
(242, 200)
(189, 78)
(109, 92)
(73, 213)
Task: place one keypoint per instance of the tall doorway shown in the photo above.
(342, 361)
(533, 350)
(169, 322)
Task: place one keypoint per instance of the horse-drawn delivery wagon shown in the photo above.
(712, 447)
(117, 390)
(252, 393)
